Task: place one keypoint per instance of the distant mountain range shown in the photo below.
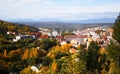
(60, 24)
(99, 20)
(64, 26)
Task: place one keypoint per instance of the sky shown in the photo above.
(59, 9)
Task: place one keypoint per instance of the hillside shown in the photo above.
(14, 27)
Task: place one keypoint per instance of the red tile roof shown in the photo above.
(76, 36)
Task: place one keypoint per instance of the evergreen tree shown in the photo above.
(114, 48)
(116, 28)
(47, 43)
(92, 58)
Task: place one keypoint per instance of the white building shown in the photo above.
(63, 43)
(54, 33)
(34, 69)
(23, 37)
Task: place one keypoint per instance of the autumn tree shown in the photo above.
(26, 54)
(5, 54)
(103, 61)
(54, 67)
(28, 70)
(33, 53)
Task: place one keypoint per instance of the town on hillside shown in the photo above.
(59, 36)
(100, 34)
(26, 50)
(29, 50)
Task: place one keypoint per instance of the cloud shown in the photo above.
(40, 9)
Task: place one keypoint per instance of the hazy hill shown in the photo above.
(64, 26)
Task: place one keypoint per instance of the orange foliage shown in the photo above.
(44, 70)
(14, 52)
(57, 48)
(54, 50)
(30, 53)
(28, 70)
(51, 55)
(78, 46)
(5, 54)
(65, 48)
(33, 52)
(25, 55)
(102, 51)
(54, 66)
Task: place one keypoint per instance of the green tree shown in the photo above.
(116, 28)
(92, 58)
(114, 48)
(46, 44)
(69, 65)
(46, 61)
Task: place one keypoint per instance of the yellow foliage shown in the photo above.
(78, 46)
(5, 54)
(54, 50)
(57, 48)
(54, 66)
(44, 70)
(27, 71)
(103, 71)
(11, 27)
(113, 68)
(99, 59)
(25, 55)
(65, 48)
(14, 52)
(51, 55)
(33, 52)
(102, 51)
(30, 53)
